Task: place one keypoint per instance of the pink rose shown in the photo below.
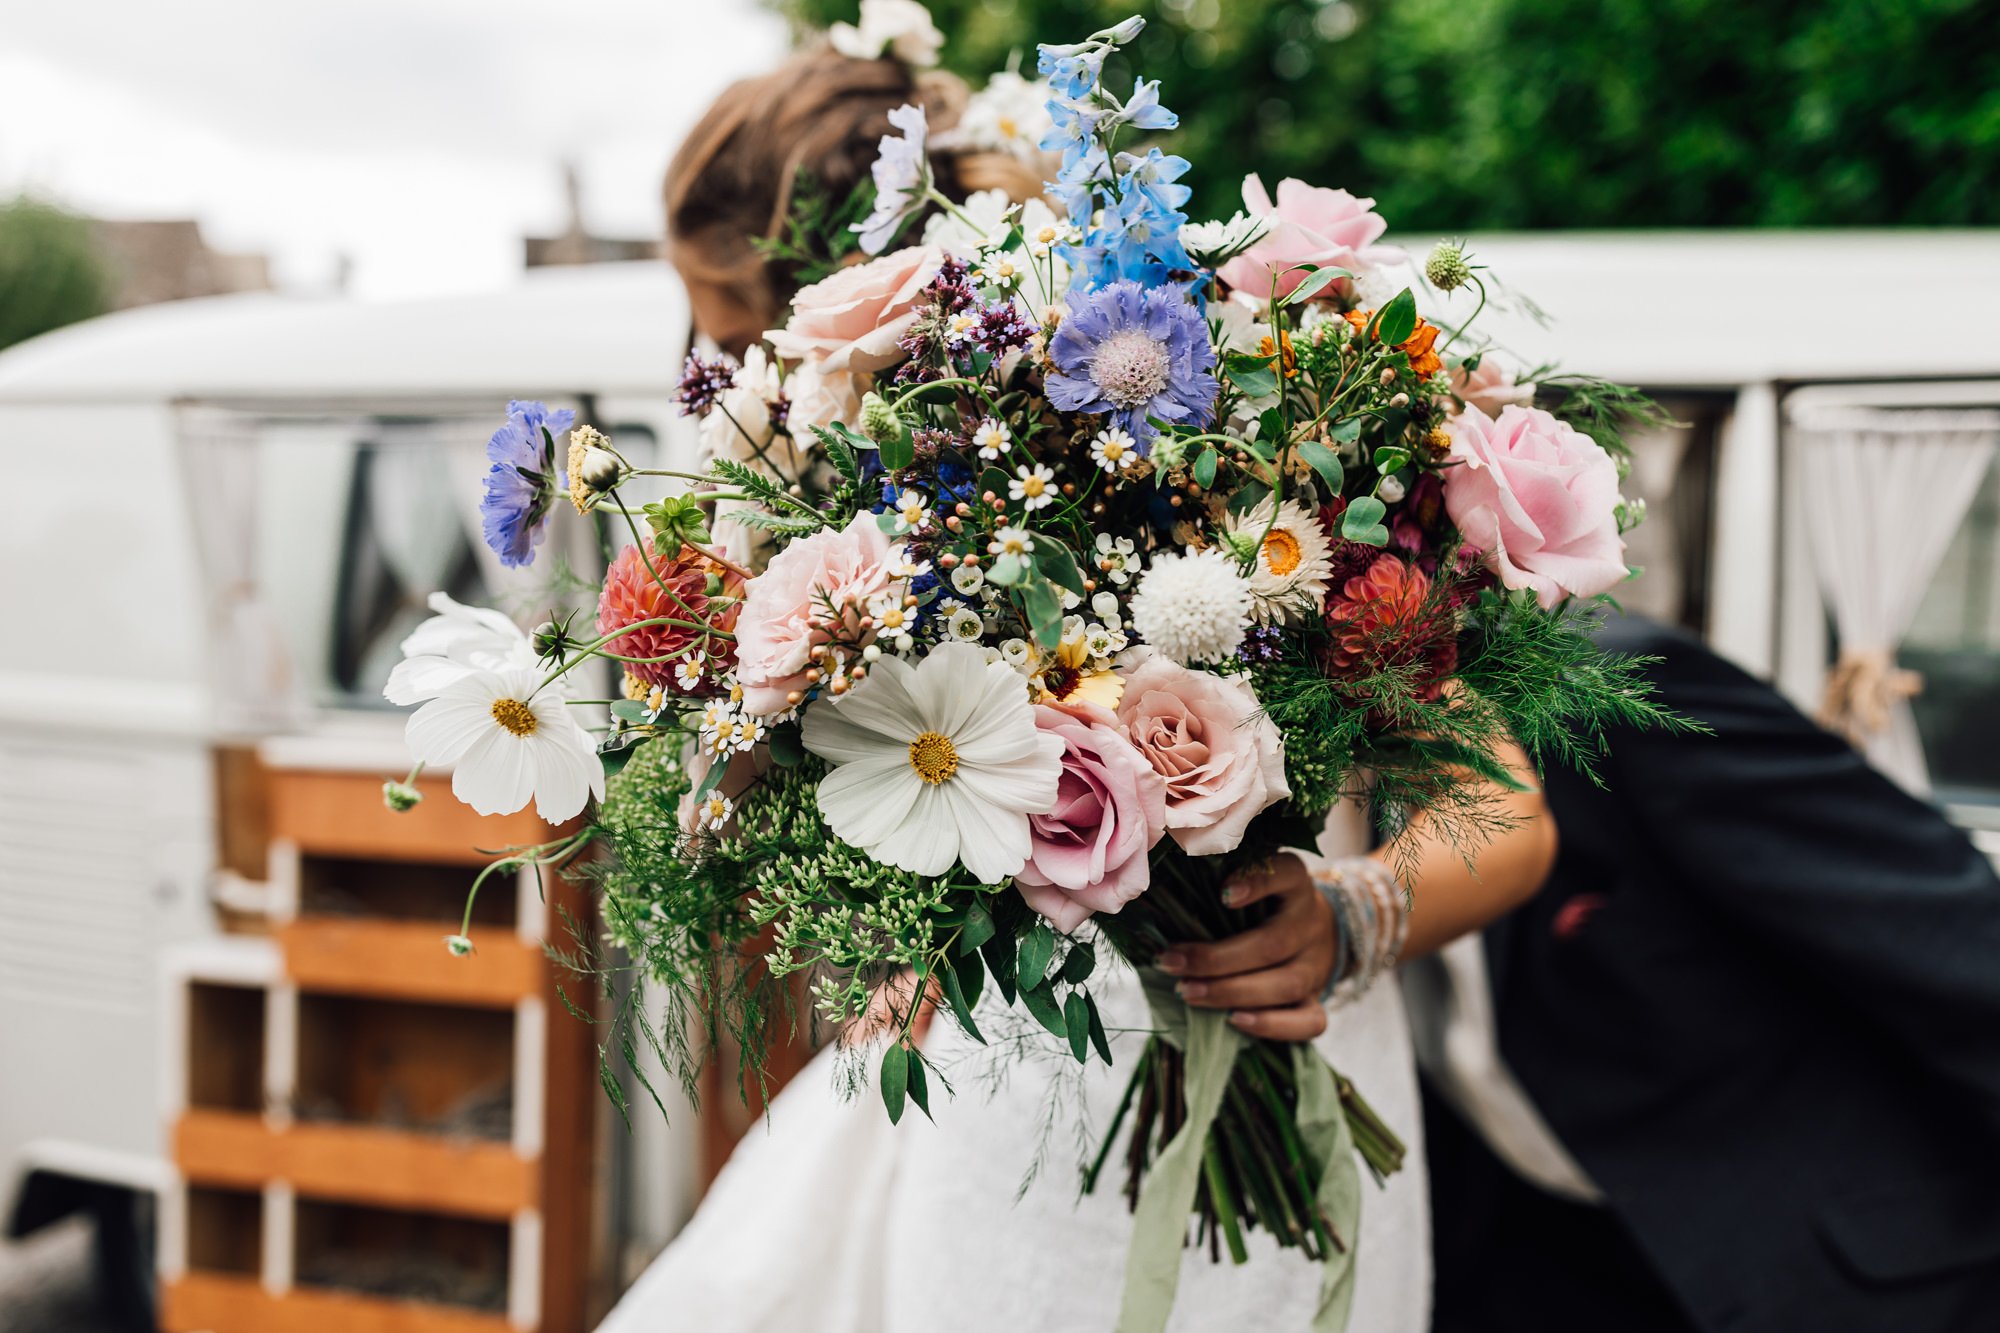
(1220, 756)
(853, 320)
(1491, 388)
(1088, 854)
(1312, 226)
(1538, 499)
(784, 612)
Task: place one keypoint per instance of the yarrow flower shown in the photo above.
(522, 483)
(1193, 608)
(1134, 353)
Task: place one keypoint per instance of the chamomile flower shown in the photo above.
(1116, 558)
(687, 673)
(1034, 486)
(992, 438)
(965, 626)
(1045, 239)
(960, 327)
(913, 511)
(1012, 541)
(894, 622)
(968, 580)
(713, 812)
(1114, 449)
(899, 565)
(1000, 271)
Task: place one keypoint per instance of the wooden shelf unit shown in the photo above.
(353, 1101)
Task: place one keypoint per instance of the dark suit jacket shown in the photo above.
(1759, 1001)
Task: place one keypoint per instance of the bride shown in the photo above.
(834, 1220)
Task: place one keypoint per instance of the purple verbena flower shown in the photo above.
(702, 382)
(523, 481)
(1134, 353)
(1001, 329)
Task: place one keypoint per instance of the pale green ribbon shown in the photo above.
(1159, 1224)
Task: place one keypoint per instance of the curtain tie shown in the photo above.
(1863, 688)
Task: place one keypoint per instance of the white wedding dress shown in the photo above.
(834, 1221)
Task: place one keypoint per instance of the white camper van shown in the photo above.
(235, 510)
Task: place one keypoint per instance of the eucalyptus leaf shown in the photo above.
(1347, 430)
(999, 955)
(920, 1090)
(1056, 563)
(961, 1007)
(1315, 284)
(1248, 496)
(1363, 521)
(1041, 1002)
(899, 450)
(1076, 1017)
(1044, 610)
(1097, 1037)
(1038, 946)
(787, 745)
(1255, 383)
(1325, 462)
(1079, 964)
(888, 521)
(895, 1079)
(1391, 458)
(978, 928)
(1007, 571)
(629, 710)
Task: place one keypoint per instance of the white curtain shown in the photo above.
(1883, 493)
(254, 687)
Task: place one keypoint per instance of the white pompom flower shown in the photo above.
(1193, 608)
(936, 764)
(508, 742)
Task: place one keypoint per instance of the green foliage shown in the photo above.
(1485, 114)
(817, 238)
(50, 271)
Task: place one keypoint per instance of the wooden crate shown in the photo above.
(313, 1114)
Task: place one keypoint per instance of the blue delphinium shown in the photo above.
(1134, 352)
(523, 481)
(1136, 236)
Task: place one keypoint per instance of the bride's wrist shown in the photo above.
(1369, 923)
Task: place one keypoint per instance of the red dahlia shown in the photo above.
(1386, 618)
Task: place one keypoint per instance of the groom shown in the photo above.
(1737, 1066)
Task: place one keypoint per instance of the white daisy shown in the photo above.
(1012, 541)
(967, 579)
(893, 621)
(913, 511)
(1034, 486)
(965, 626)
(713, 813)
(899, 565)
(1114, 449)
(508, 743)
(455, 641)
(1193, 608)
(1000, 271)
(1294, 560)
(992, 438)
(936, 764)
(960, 327)
(687, 673)
(1115, 557)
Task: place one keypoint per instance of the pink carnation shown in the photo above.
(1311, 225)
(854, 320)
(1089, 853)
(1221, 758)
(1538, 500)
(785, 608)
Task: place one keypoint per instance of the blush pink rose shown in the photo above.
(1311, 225)
(1089, 853)
(1221, 758)
(1491, 388)
(1538, 500)
(784, 612)
(854, 320)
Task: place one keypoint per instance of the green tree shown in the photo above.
(50, 271)
(1482, 114)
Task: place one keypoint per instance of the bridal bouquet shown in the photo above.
(1042, 572)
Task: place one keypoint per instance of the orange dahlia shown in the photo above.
(1385, 618)
(635, 593)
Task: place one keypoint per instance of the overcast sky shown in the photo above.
(421, 138)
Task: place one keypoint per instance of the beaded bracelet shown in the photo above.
(1370, 923)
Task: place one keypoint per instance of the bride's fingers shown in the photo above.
(1284, 873)
(1259, 947)
(1293, 1022)
(1288, 983)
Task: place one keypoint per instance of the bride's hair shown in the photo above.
(820, 115)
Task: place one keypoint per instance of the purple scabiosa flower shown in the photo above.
(1134, 352)
(522, 483)
(702, 382)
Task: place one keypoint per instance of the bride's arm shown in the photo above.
(1272, 976)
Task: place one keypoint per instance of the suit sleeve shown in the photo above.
(1789, 833)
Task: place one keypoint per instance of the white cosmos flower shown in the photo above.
(457, 640)
(936, 763)
(508, 744)
(900, 29)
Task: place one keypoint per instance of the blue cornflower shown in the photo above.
(522, 483)
(1134, 353)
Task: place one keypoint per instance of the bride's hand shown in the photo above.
(1271, 975)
